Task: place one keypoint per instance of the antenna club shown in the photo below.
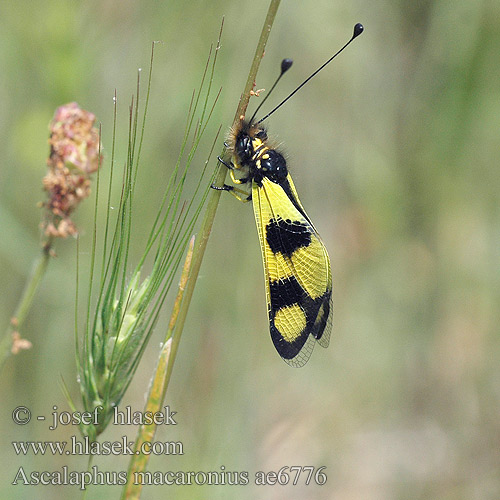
(286, 64)
(358, 29)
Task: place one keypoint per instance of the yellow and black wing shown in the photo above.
(297, 271)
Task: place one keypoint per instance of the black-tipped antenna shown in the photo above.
(358, 29)
(286, 64)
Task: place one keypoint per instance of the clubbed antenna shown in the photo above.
(358, 29)
(286, 64)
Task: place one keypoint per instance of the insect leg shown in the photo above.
(239, 194)
(243, 180)
(229, 165)
(232, 167)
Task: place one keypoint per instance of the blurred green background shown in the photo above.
(394, 152)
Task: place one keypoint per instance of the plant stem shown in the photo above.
(24, 304)
(158, 389)
(190, 272)
(220, 176)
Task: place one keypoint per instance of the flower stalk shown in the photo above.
(74, 157)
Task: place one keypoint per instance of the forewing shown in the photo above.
(297, 272)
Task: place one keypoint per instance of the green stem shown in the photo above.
(192, 266)
(89, 465)
(213, 200)
(156, 395)
(24, 304)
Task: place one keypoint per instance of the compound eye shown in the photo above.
(247, 146)
(244, 148)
